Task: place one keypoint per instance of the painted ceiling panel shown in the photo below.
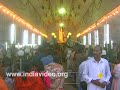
(43, 14)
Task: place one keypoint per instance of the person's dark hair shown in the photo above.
(99, 47)
(81, 49)
(48, 51)
(90, 51)
(39, 65)
(27, 68)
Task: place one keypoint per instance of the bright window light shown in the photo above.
(33, 38)
(104, 43)
(39, 40)
(106, 33)
(25, 37)
(89, 38)
(12, 33)
(96, 37)
(111, 44)
(84, 40)
(6, 45)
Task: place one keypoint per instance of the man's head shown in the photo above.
(81, 49)
(97, 51)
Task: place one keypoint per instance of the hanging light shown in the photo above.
(61, 24)
(53, 34)
(69, 33)
(62, 11)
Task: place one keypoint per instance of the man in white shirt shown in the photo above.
(81, 79)
(97, 71)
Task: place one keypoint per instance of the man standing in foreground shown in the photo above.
(97, 71)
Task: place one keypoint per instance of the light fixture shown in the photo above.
(8, 12)
(53, 34)
(62, 11)
(69, 33)
(61, 24)
(103, 19)
(78, 35)
(67, 36)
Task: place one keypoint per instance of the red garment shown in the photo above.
(47, 81)
(38, 85)
(3, 86)
(31, 83)
(23, 84)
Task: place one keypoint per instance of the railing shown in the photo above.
(76, 83)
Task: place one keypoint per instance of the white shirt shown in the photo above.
(81, 69)
(93, 69)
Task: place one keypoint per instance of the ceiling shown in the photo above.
(43, 14)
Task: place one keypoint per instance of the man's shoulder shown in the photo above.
(83, 63)
(104, 60)
(92, 59)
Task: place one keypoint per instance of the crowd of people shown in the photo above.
(43, 59)
(91, 70)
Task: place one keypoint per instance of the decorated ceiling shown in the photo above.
(43, 14)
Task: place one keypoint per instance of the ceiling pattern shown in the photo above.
(43, 14)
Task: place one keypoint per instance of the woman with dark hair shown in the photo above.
(116, 75)
(23, 83)
(29, 82)
(38, 67)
